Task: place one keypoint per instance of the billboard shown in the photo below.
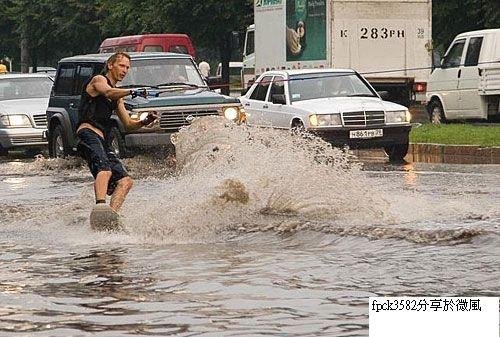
(305, 30)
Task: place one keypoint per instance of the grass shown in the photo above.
(457, 134)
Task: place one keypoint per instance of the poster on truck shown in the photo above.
(305, 30)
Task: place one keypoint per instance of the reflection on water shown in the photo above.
(251, 233)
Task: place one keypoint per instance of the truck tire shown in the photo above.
(397, 152)
(3, 151)
(436, 113)
(118, 144)
(58, 145)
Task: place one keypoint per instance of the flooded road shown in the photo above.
(250, 233)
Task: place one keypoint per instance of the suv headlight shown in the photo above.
(234, 113)
(15, 121)
(325, 120)
(397, 117)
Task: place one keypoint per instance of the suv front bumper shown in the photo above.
(392, 135)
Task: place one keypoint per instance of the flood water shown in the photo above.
(249, 233)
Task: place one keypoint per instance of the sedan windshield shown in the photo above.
(161, 72)
(323, 85)
(25, 87)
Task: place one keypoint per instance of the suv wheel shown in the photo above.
(397, 152)
(58, 146)
(118, 144)
(436, 113)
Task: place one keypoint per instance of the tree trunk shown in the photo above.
(25, 54)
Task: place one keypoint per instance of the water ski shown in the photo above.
(104, 218)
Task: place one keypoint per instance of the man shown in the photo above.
(99, 99)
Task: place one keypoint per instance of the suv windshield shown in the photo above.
(160, 71)
(323, 85)
(27, 87)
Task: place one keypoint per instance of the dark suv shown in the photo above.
(176, 90)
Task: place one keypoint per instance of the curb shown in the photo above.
(453, 154)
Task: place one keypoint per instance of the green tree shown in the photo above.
(210, 24)
(451, 17)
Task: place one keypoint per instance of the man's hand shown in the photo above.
(139, 93)
(150, 118)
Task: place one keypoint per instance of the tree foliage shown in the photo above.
(451, 17)
(51, 29)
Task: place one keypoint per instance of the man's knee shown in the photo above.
(126, 183)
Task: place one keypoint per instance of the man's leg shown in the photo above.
(123, 186)
(101, 185)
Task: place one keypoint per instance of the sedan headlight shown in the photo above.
(15, 121)
(234, 113)
(397, 117)
(325, 120)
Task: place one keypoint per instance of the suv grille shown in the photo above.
(40, 121)
(363, 118)
(173, 120)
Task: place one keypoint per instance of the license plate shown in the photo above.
(366, 133)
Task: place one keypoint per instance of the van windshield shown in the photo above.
(153, 72)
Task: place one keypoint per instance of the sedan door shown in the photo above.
(276, 112)
(255, 100)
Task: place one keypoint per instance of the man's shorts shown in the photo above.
(100, 157)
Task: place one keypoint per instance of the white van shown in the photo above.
(467, 84)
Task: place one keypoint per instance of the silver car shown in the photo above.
(338, 105)
(23, 101)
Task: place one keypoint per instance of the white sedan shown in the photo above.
(339, 105)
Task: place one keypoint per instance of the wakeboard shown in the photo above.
(104, 218)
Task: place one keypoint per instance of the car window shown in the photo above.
(261, 89)
(24, 87)
(64, 81)
(84, 72)
(278, 87)
(328, 85)
(178, 49)
(472, 56)
(161, 71)
(153, 48)
(454, 56)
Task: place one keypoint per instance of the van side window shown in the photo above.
(178, 49)
(452, 59)
(153, 48)
(260, 91)
(472, 56)
(64, 83)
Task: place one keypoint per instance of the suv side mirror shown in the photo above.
(214, 82)
(278, 99)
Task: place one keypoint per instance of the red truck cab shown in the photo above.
(176, 43)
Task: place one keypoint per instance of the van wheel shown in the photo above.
(397, 152)
(436, 113)
(58, 145)
(118, 144)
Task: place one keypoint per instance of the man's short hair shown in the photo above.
(113, 58)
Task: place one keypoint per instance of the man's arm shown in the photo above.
(99, 86)
(129, 123)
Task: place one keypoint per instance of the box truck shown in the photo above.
(388, 42)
